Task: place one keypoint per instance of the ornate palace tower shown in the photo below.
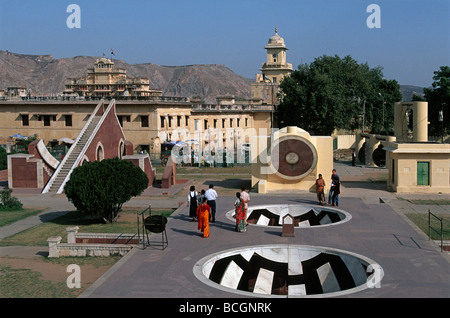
(266, 86)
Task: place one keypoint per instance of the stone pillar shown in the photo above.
(288, 226)
(71, 233)
(53, 242)
(359, 143)
(372, 145)
(420, 121)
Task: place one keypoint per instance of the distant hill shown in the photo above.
(46, 75)
(409, 90)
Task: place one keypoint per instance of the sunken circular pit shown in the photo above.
(303, 215)
(288, 270)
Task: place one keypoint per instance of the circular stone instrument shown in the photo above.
(284, 270)
(303, 215)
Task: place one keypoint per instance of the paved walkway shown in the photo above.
(413, 265)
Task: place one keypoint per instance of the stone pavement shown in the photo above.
(413, 265)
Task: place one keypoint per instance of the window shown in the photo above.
(186, 118)
(68, 119)
(46, 120)
(231, 122)
(170, 121)
(123, 118)
(144, 121)
(423, 173)
(206, 123)
(215, 123)
(178, 121)
(246, 122)
(238, 122)
(223, 123)
(162, 121)
(25, 121)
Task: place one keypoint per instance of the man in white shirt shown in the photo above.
(211, 196)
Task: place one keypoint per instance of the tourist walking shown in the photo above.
(320, 187)
(245, 197)
(192, 203)
(204, 215)
(239, 213)
(211, 196)
(200, 197)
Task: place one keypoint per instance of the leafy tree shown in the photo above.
(101, 187)
(333, 93)
(3, 159)
(9, 202)
(438, 98)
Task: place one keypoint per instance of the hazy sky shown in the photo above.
(413, 39)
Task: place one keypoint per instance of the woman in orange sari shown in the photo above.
(203, 216)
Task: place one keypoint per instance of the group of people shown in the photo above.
(202, 208)
(335, 189)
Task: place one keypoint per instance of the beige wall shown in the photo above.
(402, 165)
(131, 113)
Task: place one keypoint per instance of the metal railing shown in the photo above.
(141, 231)
(440, 233)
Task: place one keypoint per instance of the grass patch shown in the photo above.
(421, 221)
(38, 235)
(430, 202)
(25, 283)
(8, 217)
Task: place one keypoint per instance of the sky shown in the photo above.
(411, 41)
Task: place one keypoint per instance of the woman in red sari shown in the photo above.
(203, 216)
(239, 213)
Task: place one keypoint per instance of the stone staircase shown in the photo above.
(68, 163)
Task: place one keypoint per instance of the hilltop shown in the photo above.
(45, 75)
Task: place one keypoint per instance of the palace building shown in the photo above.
(106, 81)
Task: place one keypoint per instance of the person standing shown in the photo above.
(211, 196)
(239, 213)
(245, 197)
(192, 203)
(336, 192)
(204, 215)
(320, 186)
(336, 182)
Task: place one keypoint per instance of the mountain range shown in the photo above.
(45, 75)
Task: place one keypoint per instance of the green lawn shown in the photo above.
(421, 220)
(38, 235)
(8, 217)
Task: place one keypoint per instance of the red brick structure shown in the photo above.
(101, 138)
